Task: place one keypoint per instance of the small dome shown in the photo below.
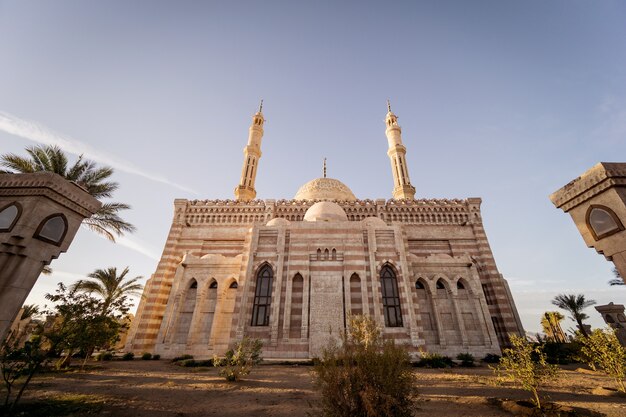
(374, 221)
(325, 211)
(325, 189)
(278, 221)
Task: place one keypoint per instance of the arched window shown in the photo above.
(194, 284)
(262, 297)
(334, 254)
(602, 222)
(9, 216)
(419, 285)
(52, 229)
(233, 285)
(326, 254)
(213, 284)
(391, 299)
(459, 285)
(440, 285)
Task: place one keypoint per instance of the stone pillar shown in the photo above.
(613, 315)
(40, 214)
(597, 203)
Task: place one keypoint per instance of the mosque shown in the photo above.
(290, 272)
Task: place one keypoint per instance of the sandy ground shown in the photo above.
(159, 389)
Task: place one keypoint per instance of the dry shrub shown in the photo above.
(603, 350)
(365, 376)
(240, 359)
(525, 365)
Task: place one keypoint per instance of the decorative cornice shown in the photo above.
(601, 177)
(52, 186)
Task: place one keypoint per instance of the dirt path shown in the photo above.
(159, 389)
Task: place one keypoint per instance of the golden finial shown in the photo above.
(388, 106)
(261, 106)
(324, 167)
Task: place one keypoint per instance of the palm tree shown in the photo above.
(84, 172)
(30, 310)
(618, 278)
(110, 286)
(551, 323)
(575, 304)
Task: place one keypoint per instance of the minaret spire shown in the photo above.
(397, 154)
(324, 167)
(251, 154)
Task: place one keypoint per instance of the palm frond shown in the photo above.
(17, 164)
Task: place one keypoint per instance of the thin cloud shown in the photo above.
(131, 243)
(39, 133)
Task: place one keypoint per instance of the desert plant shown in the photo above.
(491, 358)
(156, 357)
(525, 365)
(365, 375)
(434, 360)
(603, 350)
(575, 304)
(467, 359)
(104, 356)
(240, 359)
(146, 356)
(19, 362)
(182, 358)
(128, 356)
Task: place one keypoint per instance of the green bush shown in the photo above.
(128, 356)
(146, 356)
(104, 356)
(467, 359)
(525, 364)
(192, 363)
(156, 357)
(365, 375)
(182, 358)
(604, 351)
(434, 360)
(562, 353)
(240, 359)
(491, 358)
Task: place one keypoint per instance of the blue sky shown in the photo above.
(502, 100)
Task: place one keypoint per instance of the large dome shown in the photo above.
(325, 189)
(325, 211)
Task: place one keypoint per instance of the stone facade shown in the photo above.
(289, 272)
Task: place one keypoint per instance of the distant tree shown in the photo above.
(618, 278)
(79, 324)
(574, 304)
(110, 286)
(551, 323)
(46, 158)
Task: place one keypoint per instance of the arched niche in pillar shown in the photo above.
(185, 314)
(424, 309)
(209, 305)
(295, 321)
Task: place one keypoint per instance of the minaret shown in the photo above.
(251, 154)
(397, 154)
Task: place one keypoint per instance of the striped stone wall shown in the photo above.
(425, 240)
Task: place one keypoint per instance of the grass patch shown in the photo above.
(60, 405)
